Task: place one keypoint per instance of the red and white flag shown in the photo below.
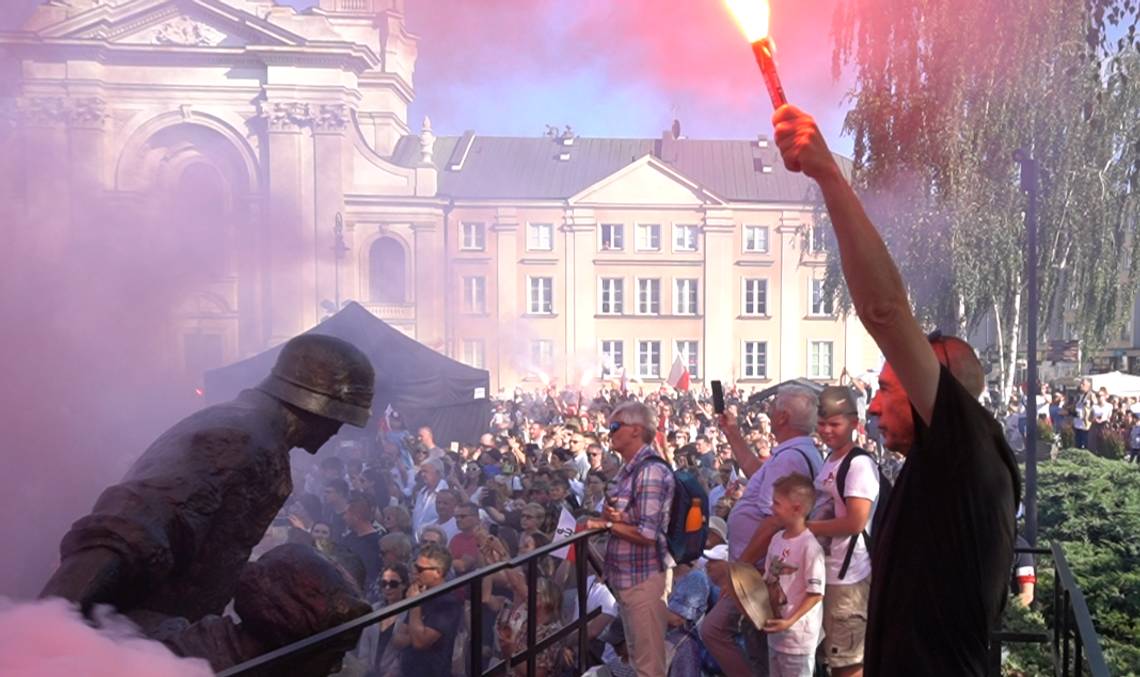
(678, 375)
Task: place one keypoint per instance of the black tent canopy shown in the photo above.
(427, 388)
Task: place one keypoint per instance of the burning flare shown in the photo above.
(752, 15)
(544, 378)
(586, 378)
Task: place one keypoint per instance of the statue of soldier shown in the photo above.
(172, 538)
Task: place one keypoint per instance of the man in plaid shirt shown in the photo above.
(638, 566)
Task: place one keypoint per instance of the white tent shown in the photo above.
(1116, 383)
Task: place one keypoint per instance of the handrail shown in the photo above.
(475, 580)
(1069, 607)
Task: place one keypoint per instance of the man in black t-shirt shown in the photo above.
(434, 624)
(362, 538)
(943, 554)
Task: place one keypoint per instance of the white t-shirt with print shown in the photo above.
(862, 482)
(798, 563)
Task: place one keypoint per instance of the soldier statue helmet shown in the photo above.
(325, 376)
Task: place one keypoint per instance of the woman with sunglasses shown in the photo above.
(377, 649)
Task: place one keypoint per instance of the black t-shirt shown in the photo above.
(441, 614)
(367, 548)
(942, 562)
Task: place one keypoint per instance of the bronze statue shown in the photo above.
(172, 538)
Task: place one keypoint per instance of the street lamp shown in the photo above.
(1029, 184)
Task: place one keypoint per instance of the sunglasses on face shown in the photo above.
(459, 517)
(391, 585)
(421, 569)
(616, 426)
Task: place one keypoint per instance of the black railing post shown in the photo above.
(476, 625)
(531, 614)
(580, 562)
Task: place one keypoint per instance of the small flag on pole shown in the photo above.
(678, 375)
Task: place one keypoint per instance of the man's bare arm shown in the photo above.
(876, 287)
(749, 462)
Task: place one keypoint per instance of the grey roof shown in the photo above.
(498, 167)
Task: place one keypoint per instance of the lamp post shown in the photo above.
(339, 251)
(1029, 184)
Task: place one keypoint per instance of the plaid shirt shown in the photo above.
(628, 564)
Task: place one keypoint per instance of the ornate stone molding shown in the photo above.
(291, 116)
(48, 111)
(185, 31)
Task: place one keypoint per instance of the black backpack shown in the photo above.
(685, 546)
(885, 487)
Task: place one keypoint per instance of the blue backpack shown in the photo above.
(685, 546)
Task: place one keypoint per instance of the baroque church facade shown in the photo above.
(277, 145)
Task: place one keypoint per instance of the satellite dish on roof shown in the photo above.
(676, 128)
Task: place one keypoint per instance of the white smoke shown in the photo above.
(49, 638)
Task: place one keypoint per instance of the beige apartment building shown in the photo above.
(269, 152)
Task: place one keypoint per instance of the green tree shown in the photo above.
(945, 91)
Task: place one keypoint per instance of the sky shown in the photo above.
(607, 68)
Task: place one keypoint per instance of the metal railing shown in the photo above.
(474, 584)
(1073, 637)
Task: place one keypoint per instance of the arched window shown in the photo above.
(200, 213)
(387, 272)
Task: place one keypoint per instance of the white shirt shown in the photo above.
(798, 563)
(862, 482)
(756, 502)
(423, 513)
(448, 527)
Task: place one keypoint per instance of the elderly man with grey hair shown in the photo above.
(424, 512)
(751, 525)
(638, 566)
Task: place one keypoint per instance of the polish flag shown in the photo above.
(678, 375)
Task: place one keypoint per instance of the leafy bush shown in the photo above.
(1111, 444)
(1068, 437)
(1091, 506)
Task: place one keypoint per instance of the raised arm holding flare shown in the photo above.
(943, 552)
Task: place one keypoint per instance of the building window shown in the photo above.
(474, 353)
(648, 237)
(387, 272)
(817, 236)
(755, 359)
(821, 302)
(540, 237)
(473, 236)
(540, 295)
(755, 297)
(756, 239)
(649, 359)
(684, 238)
(613, 296)
(687, 351)
(648, 297)
(819, 359)
(613, 357)
(542, 354)
(685, 297)
(474, 294)
(613, 237)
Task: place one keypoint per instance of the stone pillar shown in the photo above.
(285, 296)
(793, 303)
(48, 197)
(429, 280)
(506, 298)
(719, 342)
(581, 285)
(86, 135)
(328, 123)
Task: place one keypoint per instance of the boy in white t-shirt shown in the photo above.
(795, 574)
(839, 519)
